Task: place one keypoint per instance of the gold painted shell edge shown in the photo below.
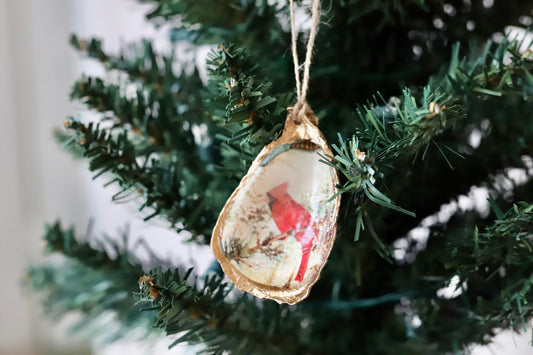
(293, 131)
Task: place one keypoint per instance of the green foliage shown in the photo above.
(505, 247)
(404, 129)
(91, 283)
(391, 134)
(149, 145)
(159, 180)
(496, 71)
(252, 116)
(250, 22)
(205, 312)
(235, 74)
(179, 146)
(391, 11)
(496, 266)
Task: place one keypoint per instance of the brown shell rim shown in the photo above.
(295, 128)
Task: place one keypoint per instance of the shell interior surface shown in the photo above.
(277, 229)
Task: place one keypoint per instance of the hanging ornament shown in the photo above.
(276, 231)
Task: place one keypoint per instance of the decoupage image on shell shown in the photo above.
(278, 227)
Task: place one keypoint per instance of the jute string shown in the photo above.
(302, 84)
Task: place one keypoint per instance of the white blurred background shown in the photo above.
(40, 183)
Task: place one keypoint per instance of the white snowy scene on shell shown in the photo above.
(278, 228)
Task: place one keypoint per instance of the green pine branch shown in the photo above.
(96, 285)
(503, 143)
(164, 101)
(498, 70)
(392, 134)
(405, 128)
(150, 149)
(155, 72)
(207, 313)
(495, 263)
(389, 11)
(90, 283)
(159, 180)
(148, 117)
(250, 23)
(139, 61)
(234, 74)
(64, 241)
(251, 113)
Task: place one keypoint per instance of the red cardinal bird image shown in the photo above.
(291, 218)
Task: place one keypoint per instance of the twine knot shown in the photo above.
(301, 111)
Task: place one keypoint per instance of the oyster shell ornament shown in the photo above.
(276, 231)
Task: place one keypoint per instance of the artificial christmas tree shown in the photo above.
(401, 90)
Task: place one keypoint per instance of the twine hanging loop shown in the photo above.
(301, 108)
